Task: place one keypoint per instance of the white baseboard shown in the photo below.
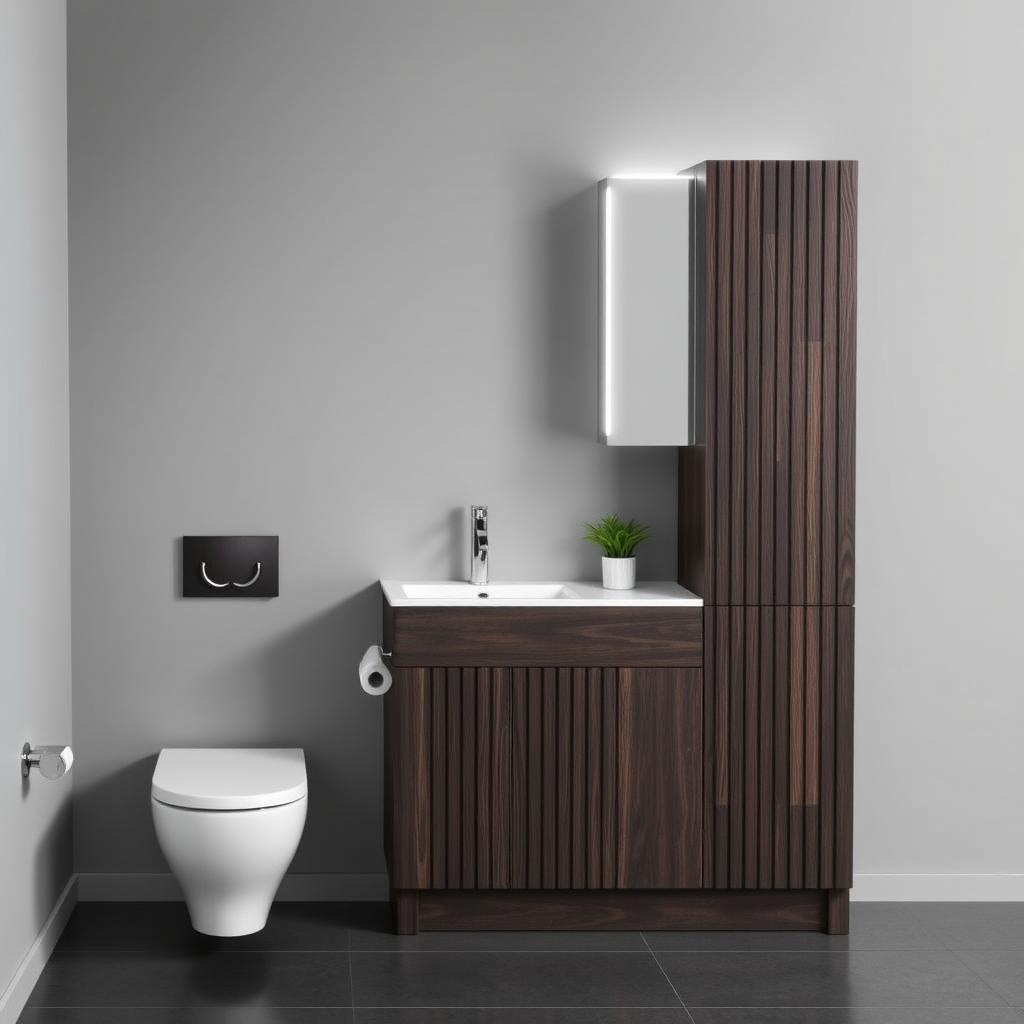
(14, 997)
(128, 887)
(936, 887)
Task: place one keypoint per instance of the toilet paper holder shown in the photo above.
(53, 762)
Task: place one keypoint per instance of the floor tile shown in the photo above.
(186, 1015)
(524, 1015)
(512, 979)
(155, 927)
(872, 926)
(857, 1015)
(973, 925)
(1003, 970)
(371, 928)
(890, 978)
(210, 979)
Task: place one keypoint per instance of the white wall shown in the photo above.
(35, 638)
(333, 272)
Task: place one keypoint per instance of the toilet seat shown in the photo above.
(221, 779)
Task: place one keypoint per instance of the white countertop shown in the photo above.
(502, 594)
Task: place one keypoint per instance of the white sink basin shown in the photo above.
(401, 594)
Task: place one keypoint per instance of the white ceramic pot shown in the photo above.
(618, 573)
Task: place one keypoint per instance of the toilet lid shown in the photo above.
(219, 779)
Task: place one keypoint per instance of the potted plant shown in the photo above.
(618, 539)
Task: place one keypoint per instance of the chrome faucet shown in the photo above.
(480, 547)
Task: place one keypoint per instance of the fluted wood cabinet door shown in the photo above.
(544, 778)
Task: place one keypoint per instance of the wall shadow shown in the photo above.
(571, 286)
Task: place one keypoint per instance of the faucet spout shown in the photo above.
(479, 545)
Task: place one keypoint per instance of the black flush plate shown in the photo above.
(229, 566)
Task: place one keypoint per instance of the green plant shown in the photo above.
(617, 537)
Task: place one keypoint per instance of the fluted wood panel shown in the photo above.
(778, 740)
(470, 778)
(544, 778)
(766, 502)
(565, 781)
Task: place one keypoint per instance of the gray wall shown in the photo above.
(333, 276)
(35, 632)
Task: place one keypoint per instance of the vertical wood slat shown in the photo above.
(844, 748)
(549, 783)
(736, 747)
(609, 777)
(827, 837)
(483, 832)
(783, 257)
(751, 741)
(501, 778)
(781, 844)
(752, 519)
(721, 353)
(469, 779)
(829, 399)
(453, 690)
(812, 743)
(798, 392)
(847, 380)
(738, 390)
(707, 535)
(710, 879)
(535, 787)
(721, 746)
(593, 696)
(563, 775)
(766, 747)
(439, 778)
(796, 744)
(815, 369)
(769, 221)
(579, 830)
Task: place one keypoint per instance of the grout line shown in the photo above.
(351, 986)
(668, 979)
(992, 988)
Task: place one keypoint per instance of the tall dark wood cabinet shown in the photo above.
(766, 521)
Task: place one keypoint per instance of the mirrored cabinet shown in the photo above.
(648, 361)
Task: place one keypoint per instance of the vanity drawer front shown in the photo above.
(553, 637)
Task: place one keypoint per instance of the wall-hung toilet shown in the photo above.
(229, 822)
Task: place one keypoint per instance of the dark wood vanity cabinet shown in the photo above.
(554, 794)
(540, 778)
(551, 778)
(670, 767)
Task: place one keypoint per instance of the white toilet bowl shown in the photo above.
(229, 822)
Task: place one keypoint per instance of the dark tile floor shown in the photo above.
(902, 963)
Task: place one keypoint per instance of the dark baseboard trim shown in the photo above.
(609, 910)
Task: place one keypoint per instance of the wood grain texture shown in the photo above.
(631, 910)
(779, 682)
(659, 783)
(544, 778)
(766, 503)
(545, 637)
(847, 380)
(407, 777)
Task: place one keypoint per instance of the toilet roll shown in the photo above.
(374, 675)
